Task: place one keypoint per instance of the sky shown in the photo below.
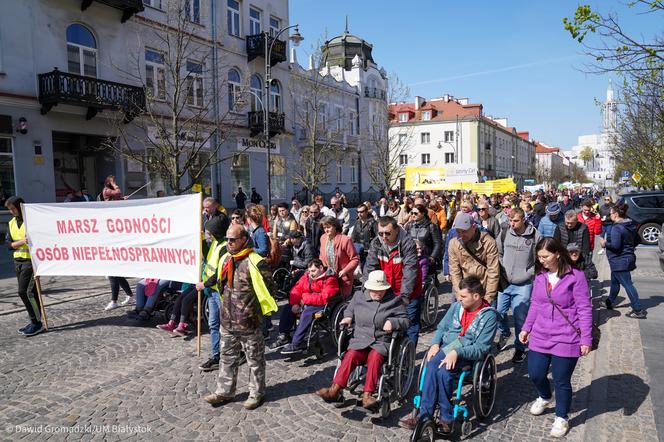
(514, 57)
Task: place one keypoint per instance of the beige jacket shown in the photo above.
(462, 264)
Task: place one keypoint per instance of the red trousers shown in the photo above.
(354, 358)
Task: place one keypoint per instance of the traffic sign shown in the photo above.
(625, 174)
(637, 177)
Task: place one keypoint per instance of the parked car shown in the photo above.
(647, 210)
(661, 249)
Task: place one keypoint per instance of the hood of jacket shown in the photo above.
(217, 226)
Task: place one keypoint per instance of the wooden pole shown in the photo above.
(41, 302)
(200, 272)
(198, 333)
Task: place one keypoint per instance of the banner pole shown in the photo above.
(41, 302)
(200, 272)
(198, 333)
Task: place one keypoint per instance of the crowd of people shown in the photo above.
(528, 253)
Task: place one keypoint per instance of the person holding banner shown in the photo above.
(27, 291)
(245, 281)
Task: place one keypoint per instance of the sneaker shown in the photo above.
(503, 342)
(280, 342)
(252, 403)
(601, 252)
(539, 406)
(210, 365)
(129, 300)
(133, 314)
(291, 349)
(560, 427)
(23, 329)
(519, 356)
(409, 422)
(637, 314)
(144, 315)
(216, 399)
(181, 329)
(168, 327)
(608, 303)
(34, 329)
(111, 305)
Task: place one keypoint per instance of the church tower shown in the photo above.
(609, 111)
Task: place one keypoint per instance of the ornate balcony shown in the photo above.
(276, 122)
(128, 7)
(63, 88)
(256, 48)
(372, 92)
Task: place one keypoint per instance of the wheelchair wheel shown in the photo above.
(430, 305)
(336, 317)
(384, 410)
(484, 387)
(425, 431)
(405, 368)
(280, 278)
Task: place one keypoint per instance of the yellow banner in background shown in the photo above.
(425, 178)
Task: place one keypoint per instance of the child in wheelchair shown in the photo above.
(465, 335)
(376, 312)
(308, 297)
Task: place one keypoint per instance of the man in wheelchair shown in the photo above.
(376, 313)
(309, 296)
(465, 335)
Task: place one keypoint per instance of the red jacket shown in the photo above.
(314, 292)
(346, 260)
(594, 227)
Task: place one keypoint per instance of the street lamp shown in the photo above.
(296, 38)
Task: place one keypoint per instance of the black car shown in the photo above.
(647, 210)
(661, 249)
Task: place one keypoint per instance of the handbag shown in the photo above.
(503, 282)
(596, 333)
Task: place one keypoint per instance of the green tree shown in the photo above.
(586, 155)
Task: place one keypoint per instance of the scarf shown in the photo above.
(227, 271)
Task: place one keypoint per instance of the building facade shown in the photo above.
(447, 130)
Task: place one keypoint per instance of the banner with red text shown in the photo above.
(149, 238)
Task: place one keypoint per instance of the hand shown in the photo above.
(602, 242)
(296, 309)
(585, 349)
(200, 286)
(346, 321)
(523, 337)
(433, 351)
(125, 197)
(388, 326)
(341, 274)
(450, 360)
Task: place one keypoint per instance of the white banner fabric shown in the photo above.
(148, 238)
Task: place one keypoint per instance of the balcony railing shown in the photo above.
(256, 48)
(372, 92)
(128, 7)
(58, 87)
(276, 123)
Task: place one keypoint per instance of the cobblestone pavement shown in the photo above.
(99, 368)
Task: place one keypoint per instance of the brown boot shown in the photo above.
(369, 402)
(331, 394)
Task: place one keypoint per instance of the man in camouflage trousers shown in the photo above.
(244, 283)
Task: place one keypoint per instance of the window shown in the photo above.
(426, 158)
(256, 85)
(275, 25)
(340, 174)
(153, 3)
(278, 175)
(351, 123)
(81, 51)
(426, 115)
(649, 202)
(403, 117)
(192, 10)
(339, 123)
(322, 116)
(402, 139)
(233, 17)
(194, 83)
(240, 173)
(233, 89)
(425, 137)
(449, 136)
(6, 169)
(155, 74)
(275, 96)
(353, 170)
(403, 159)
(254, 21)
(449, 158)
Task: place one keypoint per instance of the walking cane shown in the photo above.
(41, 302)
(137, 190)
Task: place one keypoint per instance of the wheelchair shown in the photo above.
(397, 373)
(482, 378)
(284, 280)
(430, 298)
(325, 327)
(166, 303)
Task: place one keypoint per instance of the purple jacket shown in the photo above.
(549, 332)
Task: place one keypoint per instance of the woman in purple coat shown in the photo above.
(558, 329)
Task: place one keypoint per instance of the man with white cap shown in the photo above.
(473, 252)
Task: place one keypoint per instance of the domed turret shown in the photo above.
(341, 50)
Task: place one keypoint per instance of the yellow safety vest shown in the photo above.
(212, 261)
(18, 233)
(265, 299)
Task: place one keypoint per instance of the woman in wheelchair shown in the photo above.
(307, 297)
(465, 335)
(376, 312)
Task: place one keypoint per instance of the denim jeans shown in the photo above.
(148, 302)
(561, 369)
(214, 309)
(439, 387)
(516, 297)
(624, 279)
(414, 310)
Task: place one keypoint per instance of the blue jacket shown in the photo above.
(261, 241)
(620, 246)
(477, 340)
(547, 226)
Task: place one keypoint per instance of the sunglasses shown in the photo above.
(235, 217)
(415, 213)
(305, 211)
(482, 209)
(384, 234)
(230, 239)
(315, 213)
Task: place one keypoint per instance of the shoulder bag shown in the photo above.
(595, 332)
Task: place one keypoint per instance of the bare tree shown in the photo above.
(383, 162)
(178, 136)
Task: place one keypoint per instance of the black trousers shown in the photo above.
(27, 290)
(184, 305)
(116, 283)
